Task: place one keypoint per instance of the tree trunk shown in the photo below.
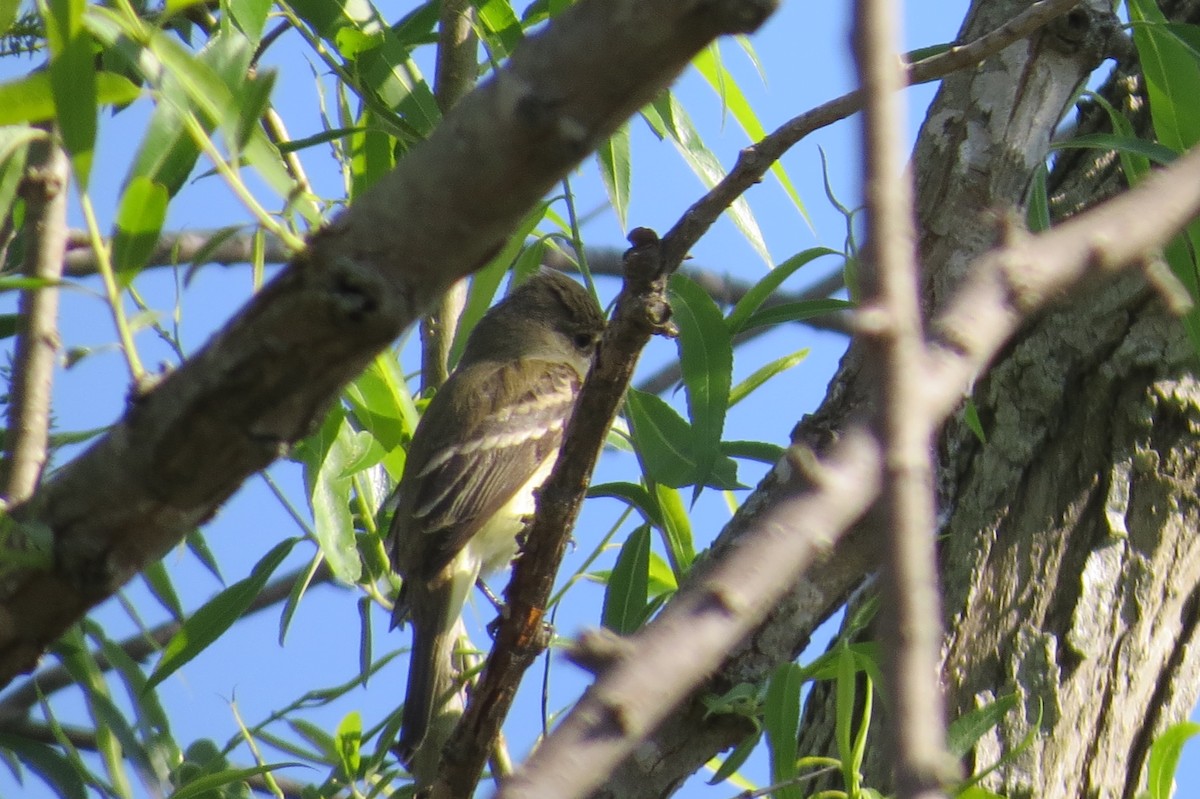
(1071, 567)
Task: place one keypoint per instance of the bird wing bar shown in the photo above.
(463, 485)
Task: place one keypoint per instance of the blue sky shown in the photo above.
(805, 55)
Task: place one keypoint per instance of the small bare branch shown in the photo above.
(26, 445)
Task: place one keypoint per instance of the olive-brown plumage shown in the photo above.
(486, 442)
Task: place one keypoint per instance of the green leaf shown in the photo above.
(1037, 215)
(796, 312)
(203, 787)
(199, 547)
(736, 758)
(364, 644)
(500, 26)
(613, 158)
(764, 288)
(292, 603)
(628, 592)
(349, 743)
(781, 722)
(217, 615)
(706, 361)
(8, 14)
(372, 154)
(709, 64)
(765, 373)
(73, 82)
(972, 420)
(382, 405)
(56, 770)
(14, 146)
(662, 440)
(327, 457)
(251, 17)
(677, 527)
(1121, 143)
(674, 122)
(31, 98)
(140, 218)
(1172, 77)
(159, 582)
(1164, 758)
(967, 729)
(634, 495)
(761, 451)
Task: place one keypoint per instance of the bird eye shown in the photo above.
(584, 341)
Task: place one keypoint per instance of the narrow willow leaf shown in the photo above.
(796, 312)
(681, 548)
(1172, 77)
(73, 82)
(159, 582)
(292, 603)
(634, 495)
(372, 154)
(736, 758)
(364, 649)
(208, 784)
(31, 98)
(628, 585)
(1164, 758)
(327, 457)
(753, 299)
(661, 438)
(251, 17)
(765, 373)
(1037, 215)
(140, 217)
(217, 615)
(967, 729)
(710, 66)
(14, 146)
(55, 769)
(781, 722)
(676, 123)
(1150, 150)
(500, 26)
(706, 362)
(614, 159)
(761, 451)
(198, 546)
(349, 743)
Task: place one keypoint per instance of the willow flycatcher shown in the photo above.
(486, 442)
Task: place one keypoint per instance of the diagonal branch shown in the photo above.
(45, 191)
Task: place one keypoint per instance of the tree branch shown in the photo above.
(891, 327)
(185, 445)
(26, 441)
(727, 598)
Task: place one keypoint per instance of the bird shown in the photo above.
(485, 444)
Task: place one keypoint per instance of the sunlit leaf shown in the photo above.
(627, 592)
(706, 362)
(781, 722)
(217, 615)
(614, 160)
(73, 82)
(753, 299)
(140, 217)
(765, 373)
(1164, 758)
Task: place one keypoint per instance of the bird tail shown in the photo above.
(432, 706)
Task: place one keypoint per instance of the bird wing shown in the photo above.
(456, 489)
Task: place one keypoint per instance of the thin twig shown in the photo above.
(26, 442)
(754, 161)
(911, 608)
(455, 74)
